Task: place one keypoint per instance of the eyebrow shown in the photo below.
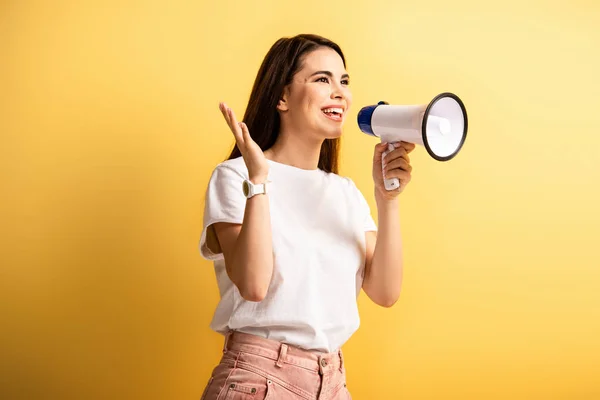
(329, 74)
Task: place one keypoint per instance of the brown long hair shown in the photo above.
(278, 68)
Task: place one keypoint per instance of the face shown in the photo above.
(317, 101)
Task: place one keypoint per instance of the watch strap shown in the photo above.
(253, 189)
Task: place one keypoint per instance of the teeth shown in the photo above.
(333, 110)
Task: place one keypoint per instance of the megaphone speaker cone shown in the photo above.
(444, 126)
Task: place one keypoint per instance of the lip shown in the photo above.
(335, 119)
(340, 117)
(334, 106)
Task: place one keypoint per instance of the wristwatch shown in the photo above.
(250, 189)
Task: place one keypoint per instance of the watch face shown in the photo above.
(245, 188)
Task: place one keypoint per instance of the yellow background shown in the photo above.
(110, 129)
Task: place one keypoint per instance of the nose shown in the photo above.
(337, 92)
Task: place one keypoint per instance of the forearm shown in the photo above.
(252, 264)
(384, 276)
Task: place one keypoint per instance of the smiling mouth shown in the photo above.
(333, 113)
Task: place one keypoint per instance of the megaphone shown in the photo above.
(440, 126)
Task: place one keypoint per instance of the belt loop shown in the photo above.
(282, 353)
(227, 336)
(341, 360)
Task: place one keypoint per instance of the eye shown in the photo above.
(345, 82)
(324, 79)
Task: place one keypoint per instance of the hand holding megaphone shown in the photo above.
(392, 168)
(440, 126)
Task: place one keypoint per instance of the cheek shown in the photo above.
(318, 94)
(313, 99)
(349, 99)
(298, 103)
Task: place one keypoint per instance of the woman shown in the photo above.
(292, 241)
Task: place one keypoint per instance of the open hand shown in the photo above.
(256, 162)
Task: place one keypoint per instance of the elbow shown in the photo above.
(255, 293)
(386, 301)
(250, 289)
(389, 302)
(254, 296)
(383, 297)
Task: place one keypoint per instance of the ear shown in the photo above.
(282, 104)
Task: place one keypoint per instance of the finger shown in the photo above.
(408, 146)
(232, 122)
(235, 128)
(245, 133)
(404, 176)
(378, 151)
(223, 107)
(396, 154)
(226, 114)
(400, 163)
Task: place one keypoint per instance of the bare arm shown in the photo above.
(384, 260)
(384, 263)
(248, 249)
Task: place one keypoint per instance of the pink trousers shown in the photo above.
(256, 368)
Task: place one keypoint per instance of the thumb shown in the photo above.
(379, 149)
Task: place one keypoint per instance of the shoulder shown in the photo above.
(233, 168)
(351, 189)
(344, 182)
(344, 185)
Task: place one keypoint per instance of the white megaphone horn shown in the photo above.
(440, 126)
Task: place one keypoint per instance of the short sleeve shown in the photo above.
(365, 211)
(224, 202)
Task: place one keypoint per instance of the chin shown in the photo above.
(330, 132)
(335, 135)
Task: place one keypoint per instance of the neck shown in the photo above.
(294, 150)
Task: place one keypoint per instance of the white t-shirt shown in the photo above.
(318, 223)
